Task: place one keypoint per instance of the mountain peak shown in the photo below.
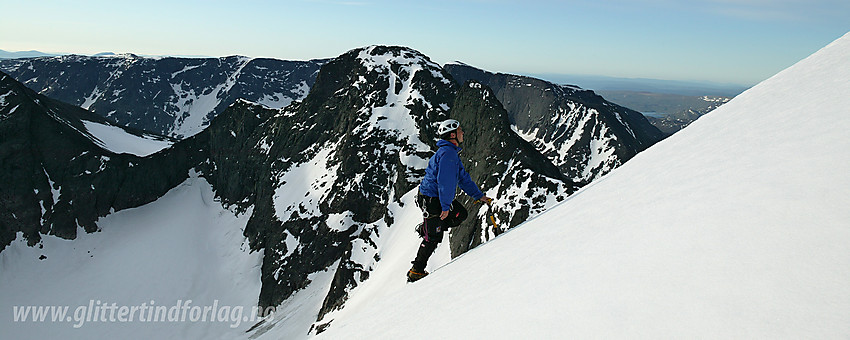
(379, 56)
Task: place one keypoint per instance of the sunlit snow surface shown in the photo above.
(736, 227)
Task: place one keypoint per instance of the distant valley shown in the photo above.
(668, 112)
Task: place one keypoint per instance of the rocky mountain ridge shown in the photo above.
(585, 135)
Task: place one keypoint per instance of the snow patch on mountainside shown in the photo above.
(281, 100)
(734, 227)
(303, 186)
(601, 152)
(117, 140)
(186, 68)
(3, 98)
(91, 98)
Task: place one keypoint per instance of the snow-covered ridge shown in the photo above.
(456, 62)
(734, 227)
(107, 136)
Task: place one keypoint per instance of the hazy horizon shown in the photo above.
(721, 41)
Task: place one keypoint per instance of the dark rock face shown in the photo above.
(168, 96)
(582, 133)
(500, 160)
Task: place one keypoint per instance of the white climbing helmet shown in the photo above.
(447, 126)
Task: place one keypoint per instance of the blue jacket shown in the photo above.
(445, 173)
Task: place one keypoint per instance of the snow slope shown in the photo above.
(184, 246)
(736, 227)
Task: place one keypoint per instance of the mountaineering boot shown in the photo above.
(413, 275)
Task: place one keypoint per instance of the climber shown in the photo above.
(436, 195)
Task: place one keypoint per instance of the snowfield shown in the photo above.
(184, 246)
(735, 227)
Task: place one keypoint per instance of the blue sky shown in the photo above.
(729, 41)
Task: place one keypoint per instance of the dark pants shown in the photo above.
(432, 227)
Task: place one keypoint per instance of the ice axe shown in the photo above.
(490, 213)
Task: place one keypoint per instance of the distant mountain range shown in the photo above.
(170, 96)
(36, 54)
(178, 97)
(668, 112)
(591, 82)
(24, 54)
